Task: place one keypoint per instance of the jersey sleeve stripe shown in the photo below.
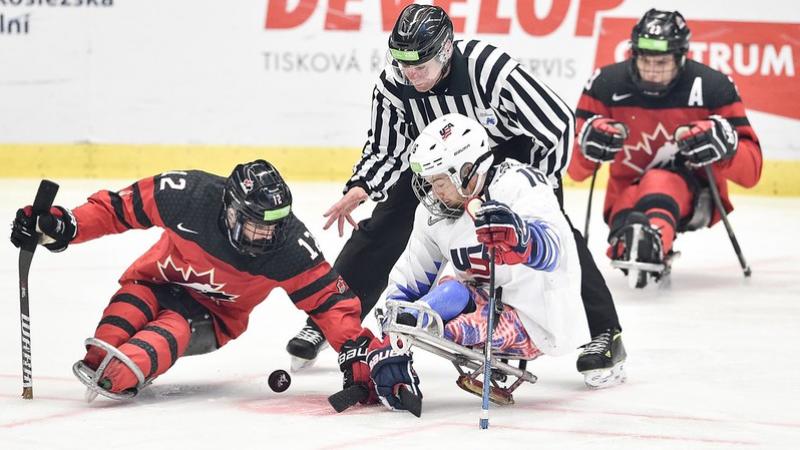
(494, 74)
(738, 121)
(138, 208)
(315, 286)
(119, 208)
(332, 301)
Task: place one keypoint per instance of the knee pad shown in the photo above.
(449, 299)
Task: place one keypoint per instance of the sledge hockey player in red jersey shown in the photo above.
(536, 261)
(660, 119)
(227, 243)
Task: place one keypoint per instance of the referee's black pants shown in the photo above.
(370, 253)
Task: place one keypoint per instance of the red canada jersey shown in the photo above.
(699, 92)
(194, 252)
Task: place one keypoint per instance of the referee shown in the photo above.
(429, 75)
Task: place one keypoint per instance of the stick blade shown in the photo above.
(27, 393)
(346, 398)
(411, 402)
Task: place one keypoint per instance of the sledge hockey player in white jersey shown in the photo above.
(537, 270)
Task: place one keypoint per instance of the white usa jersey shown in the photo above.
(548, 302)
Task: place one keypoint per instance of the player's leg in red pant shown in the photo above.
(152, 337)
(154, 349)
(619, 212)
(665, 198)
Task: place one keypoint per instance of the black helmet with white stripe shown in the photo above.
(659, 33)
(420, 33)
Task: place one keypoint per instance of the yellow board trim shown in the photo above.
(124, 161)
(778, 178)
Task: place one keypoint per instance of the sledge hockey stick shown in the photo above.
(487, 348)
(712, 182)
(346, 398)
(41, 204)
(589, 205)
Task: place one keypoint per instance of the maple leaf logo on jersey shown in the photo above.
(202, 282)
(662, 156)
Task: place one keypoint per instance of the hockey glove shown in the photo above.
(389, 371)
(601, 138)
(352, 363)
(498, 227)
(56, 228)
(705, 142)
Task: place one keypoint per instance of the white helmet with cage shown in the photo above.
(456, 146)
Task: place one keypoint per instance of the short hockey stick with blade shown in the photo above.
(41, 204)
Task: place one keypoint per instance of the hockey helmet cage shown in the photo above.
(659, 33)
(456, 146)
(257, 203)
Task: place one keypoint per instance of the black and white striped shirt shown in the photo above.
(524, 118)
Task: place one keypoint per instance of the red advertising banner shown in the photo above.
(762, 58)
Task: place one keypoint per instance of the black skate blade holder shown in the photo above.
(656, 271)
(427, 334)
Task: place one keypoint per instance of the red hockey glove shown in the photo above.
(55, 229)
(705, 142)
(601, 138)
(498, 227)
(389, 371)
(352, 363)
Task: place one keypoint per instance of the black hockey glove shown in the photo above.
(391, 370)
(601, 138)
(705, 142)
(55, 229)
(352, 363)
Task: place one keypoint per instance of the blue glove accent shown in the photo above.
(448, 299)
(546, 249)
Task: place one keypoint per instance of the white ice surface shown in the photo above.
(713, 361)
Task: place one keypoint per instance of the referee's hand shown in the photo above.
(340, 211)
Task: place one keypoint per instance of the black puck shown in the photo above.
(279, 380)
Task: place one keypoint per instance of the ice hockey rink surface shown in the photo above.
(712, 360)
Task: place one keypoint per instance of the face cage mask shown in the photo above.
(424, 192)
(395, 68)
(651, 89)
(235, 221)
